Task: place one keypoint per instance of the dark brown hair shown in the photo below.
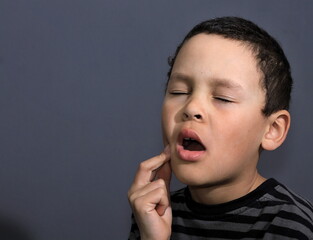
(277, 80)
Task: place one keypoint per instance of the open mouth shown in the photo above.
(190, 141)
(191, 144)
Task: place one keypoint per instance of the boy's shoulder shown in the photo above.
(287, 203)
(282, 195)
(271, 193)
(272, 210)
(290, 212)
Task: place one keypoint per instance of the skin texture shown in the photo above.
(149, 197)
(215, 92)
(218, 80)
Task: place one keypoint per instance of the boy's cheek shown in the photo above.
(164, 132)
(166, 136)
(167, 131)
(165, 141)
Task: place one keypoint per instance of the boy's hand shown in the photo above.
(149, 197)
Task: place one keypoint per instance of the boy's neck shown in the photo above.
(213, 195)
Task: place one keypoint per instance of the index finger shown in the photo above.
(143, 175)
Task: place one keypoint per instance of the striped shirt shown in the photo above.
(271, 211)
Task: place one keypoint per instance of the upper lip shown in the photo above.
(188, 133)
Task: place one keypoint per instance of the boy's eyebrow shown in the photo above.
(180, 76)
(215, 82)
(226, 83)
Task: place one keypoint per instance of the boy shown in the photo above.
(226, 101)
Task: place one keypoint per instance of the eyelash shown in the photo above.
(179, 93)
(223, 100)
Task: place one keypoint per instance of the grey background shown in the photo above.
(81, 86)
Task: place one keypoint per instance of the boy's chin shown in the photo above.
(194, 177)
(188, 179)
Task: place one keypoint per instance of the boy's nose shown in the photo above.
(195, 109)
(187, 116)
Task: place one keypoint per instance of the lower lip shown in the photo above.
(186, 155)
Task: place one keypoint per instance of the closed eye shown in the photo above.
(224, 100)
(179, 93)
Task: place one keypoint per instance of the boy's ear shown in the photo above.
(276, 133)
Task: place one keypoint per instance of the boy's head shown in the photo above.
(227, 98)
(271, 60)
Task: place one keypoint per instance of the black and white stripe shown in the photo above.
(271, 211)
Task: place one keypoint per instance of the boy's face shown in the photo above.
(214, 96)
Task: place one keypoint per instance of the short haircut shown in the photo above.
(271, 60)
